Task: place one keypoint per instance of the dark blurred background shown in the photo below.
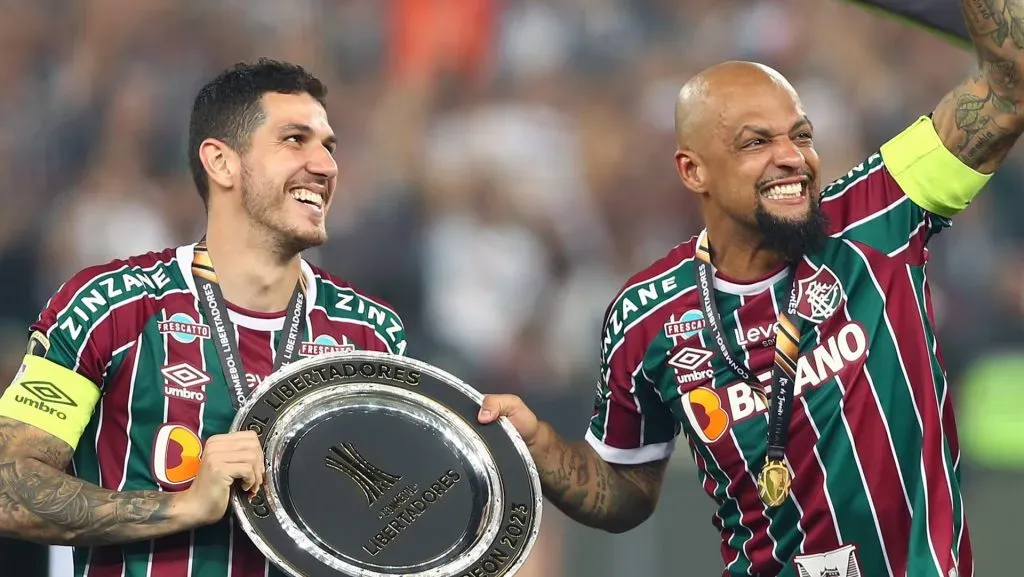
(505, 166)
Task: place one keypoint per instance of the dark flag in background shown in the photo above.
(942, 17)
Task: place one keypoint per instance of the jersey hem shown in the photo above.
(637, 456)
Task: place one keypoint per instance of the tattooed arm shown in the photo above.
(38, 502)
(981, 119)
(615, 498)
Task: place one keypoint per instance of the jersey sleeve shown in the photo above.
(630, 424)
(389, 331)
(69, 346)
(904, 194)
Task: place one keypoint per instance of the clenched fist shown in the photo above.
(226, 458)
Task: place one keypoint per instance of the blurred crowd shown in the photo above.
(505, 164)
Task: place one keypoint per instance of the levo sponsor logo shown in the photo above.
(177, 454)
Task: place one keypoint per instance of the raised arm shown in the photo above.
(980, 120)
(574, 478)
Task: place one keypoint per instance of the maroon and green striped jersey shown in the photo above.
(134, 328)
(872, 441)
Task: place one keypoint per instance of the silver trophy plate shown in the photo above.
(377, 467)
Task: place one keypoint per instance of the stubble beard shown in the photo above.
(793, 238)
(265, 207)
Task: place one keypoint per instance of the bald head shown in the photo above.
(703, 99)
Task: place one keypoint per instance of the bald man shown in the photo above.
(791, 342)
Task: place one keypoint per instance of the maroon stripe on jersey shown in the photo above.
(913, 350)
(112, 433)
(914, 254)
(105, 562)
(881, 471)
(345, 332)
(622, 427)
(868, 196)
(257, 352)
(171, 554)
(729, 555)
(809, 490)
(758, 312)
(742, 487)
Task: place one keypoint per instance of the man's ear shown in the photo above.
(691, 171)
(222, 164)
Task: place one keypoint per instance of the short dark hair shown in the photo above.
(228, 107)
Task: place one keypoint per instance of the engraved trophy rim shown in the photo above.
(488, 463)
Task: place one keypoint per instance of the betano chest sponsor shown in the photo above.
(712, 411)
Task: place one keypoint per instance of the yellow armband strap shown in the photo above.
(928, 172)
(52, 398)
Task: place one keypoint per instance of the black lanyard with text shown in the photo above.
(212, 300)
(775, 478)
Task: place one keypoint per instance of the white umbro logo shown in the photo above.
(185, 375)
(690, 358)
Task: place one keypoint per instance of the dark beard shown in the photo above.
(792, 239)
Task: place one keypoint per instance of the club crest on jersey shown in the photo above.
(183, 328)
(819, 295)
(185, 382)
(177, 453)
(325, 344)
(685, 325)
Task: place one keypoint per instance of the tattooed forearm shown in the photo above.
(591, 491)
(975, 126)
(40, 503)
(982, 118)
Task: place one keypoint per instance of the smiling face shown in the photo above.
(747, 149)
(288, 173)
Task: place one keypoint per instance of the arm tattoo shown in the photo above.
(981, 119)
(591, 491)
(41, 503)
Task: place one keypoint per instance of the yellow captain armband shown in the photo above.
(52, 398)
(928, 172)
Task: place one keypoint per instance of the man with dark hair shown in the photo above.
(113, 435)
(792, 341)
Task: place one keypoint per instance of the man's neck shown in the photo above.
(743, 256)
(252, 275)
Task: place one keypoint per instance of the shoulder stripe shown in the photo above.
(648, 279)
(107, 314)
(359, 294)
(351, 321)
(872, 216)
(857, 175)
(616, 344)
(98, 280)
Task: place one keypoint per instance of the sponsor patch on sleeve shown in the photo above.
(50, 397)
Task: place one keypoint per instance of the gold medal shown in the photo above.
(773, 483)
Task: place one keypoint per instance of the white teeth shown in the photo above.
(784, 191)
(306, 195)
